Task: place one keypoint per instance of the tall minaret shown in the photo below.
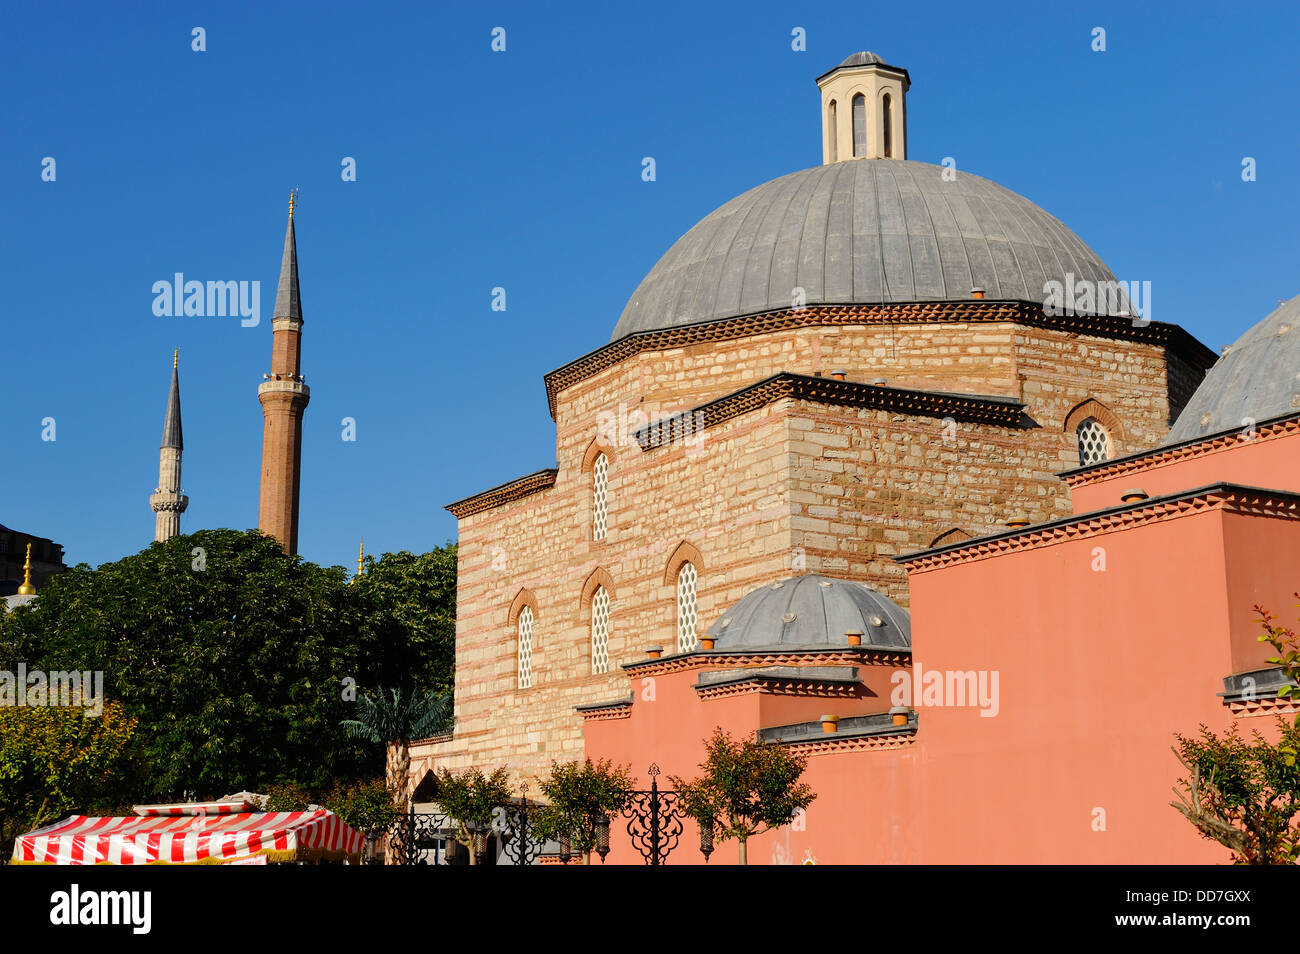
(167, 500)
(864, 110)
(284, 397)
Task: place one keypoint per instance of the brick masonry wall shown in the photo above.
(788, 488)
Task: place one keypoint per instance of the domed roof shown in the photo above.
(859, 231)
(1256, 378)
(812, 611)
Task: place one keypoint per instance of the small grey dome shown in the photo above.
(861, 58)
(862, 231)
(812, 611)
(1258, 377)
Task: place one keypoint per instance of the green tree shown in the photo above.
(745, 788)
(236, 659)
(1245, 794)
(581, 798)
(471, 799)
(58, 760)
(395, 718)
(409, 600)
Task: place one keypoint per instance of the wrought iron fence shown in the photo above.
(654, 825)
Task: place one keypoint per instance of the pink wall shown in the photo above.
(1097, 670)
(1263, 462)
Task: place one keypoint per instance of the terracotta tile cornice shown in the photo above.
(981, 409)
(1271, 705)
(1027, 313)
(767, 686)
(834, 742)
(1233, 498)
(830, 656)
(1270, 429)
(512, 490)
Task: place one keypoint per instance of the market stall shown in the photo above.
(214, 833)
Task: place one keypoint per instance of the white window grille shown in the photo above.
(1094, 444)
(600, 498)
(526, 648)
(687, 638)
(600, 631)
(859, 125)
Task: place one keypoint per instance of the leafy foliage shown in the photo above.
(1245, 794)
(746, 788)
(396, 718)
(409, 600)
(366, 805)
(57, 760)
(235, 658)
(471, 799)
(579, 794)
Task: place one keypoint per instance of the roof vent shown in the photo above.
(839, 375)
(977, 292)
(1134, 494)
(789, 618)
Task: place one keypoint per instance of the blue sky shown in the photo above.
(522, 170)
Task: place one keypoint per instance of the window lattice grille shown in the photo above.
(600, 498)
(600, 631)
(1094, 444)
(859, 125)
(687, 637)
(526, 648)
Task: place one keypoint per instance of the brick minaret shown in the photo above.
(167, 501)
(284, 397)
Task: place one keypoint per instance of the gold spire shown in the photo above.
(176, 358)
(291, 204)
(361, 555)
(27, 589)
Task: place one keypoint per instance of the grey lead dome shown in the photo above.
(859, 232)
(1258, 377)
(812, 611)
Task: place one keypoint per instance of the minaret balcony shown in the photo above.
(283, 386)
(176, 503)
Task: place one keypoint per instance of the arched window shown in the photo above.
(1094, 443)
(835, 136)
(888, 136)
(599, 497)
(687, 638)
(526, 648)
(600, 631)
(859, 125)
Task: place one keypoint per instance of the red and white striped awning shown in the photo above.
(195, 839)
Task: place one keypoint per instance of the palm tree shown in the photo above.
(395, 718)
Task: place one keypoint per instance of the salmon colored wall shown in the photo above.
(1097, 670)
(1263, 561)
(1264, 462)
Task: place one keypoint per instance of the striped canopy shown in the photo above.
(194, 839)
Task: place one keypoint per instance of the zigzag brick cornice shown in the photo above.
(1270, 429)
(1004, 412)
(1026, 313)
(806, 688)
(1271, 705)
(1233, 498)
(619, 710)
(833, 742)
(513, 490)
(733, 660)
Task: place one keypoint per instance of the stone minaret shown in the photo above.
(167, 500)
(864, 110)
(284, 397)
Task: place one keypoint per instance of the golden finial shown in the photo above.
(27, 589)
(176, 358)
(291, 192)
(361, 555)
